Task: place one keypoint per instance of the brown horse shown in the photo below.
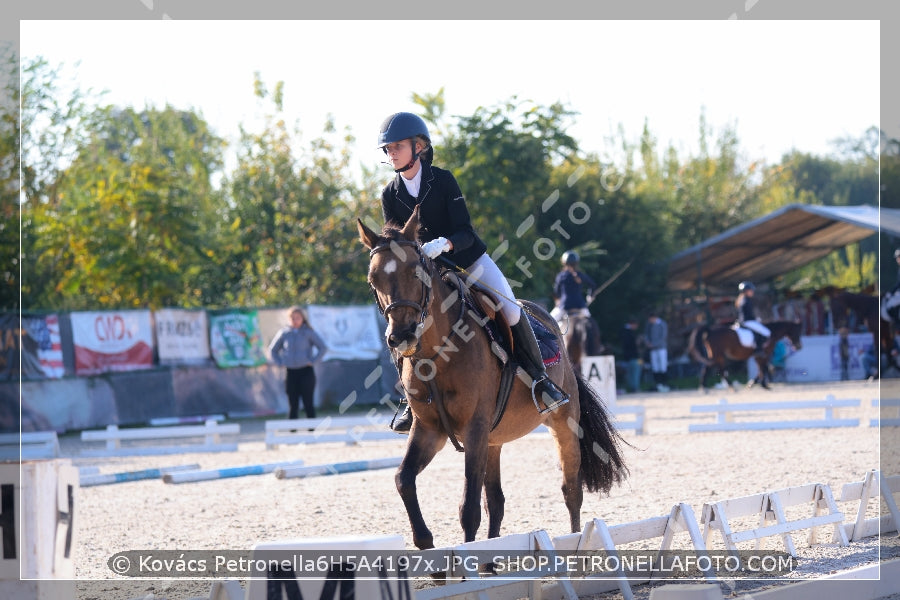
(582, 337)
(451, 373)
(721, 346)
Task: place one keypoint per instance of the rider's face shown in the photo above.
(399, 153)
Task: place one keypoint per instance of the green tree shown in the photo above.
(293, 215)
(503, 158)
(9, 179)
(710, 192)
(54, 124)
(134, 220)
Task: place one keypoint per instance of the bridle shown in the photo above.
(395, 247)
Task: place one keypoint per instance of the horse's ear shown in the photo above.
(368, 237)
(411, 229)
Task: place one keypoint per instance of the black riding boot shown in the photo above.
(529, 355)
(403, 418)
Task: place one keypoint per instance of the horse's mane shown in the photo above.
(391, 232)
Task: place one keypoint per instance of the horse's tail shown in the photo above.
(693, 349)
(602, 463)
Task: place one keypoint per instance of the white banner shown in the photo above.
(112, 341)
(820, 358)
(351, 332)
(182, 336)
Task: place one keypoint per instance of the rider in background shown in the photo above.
(445, 227)
(746, 309)
(572, 288)
(572, 293)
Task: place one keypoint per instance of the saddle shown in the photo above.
(485, 308)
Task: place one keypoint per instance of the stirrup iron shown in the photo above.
(547, 407)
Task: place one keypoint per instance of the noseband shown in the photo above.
(422, 308)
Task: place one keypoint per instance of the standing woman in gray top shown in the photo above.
(298, 348)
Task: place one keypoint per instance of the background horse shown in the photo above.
(582, 338)
(452, 378)
(721, 346)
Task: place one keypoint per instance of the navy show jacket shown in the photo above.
(442, 213)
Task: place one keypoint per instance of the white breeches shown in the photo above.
(486, 272)
(659, 358)
(757, 327)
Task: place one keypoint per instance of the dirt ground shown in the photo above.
(668, 465)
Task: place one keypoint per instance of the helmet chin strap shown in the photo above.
(412, 162)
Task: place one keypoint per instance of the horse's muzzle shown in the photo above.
(406, 343)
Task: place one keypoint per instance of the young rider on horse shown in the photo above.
(573, 290)
(447, 228)
(746, 308)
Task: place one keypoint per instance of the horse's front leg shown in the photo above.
(421, 449)
(494, 500)
(476, 446)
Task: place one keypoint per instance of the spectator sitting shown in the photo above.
(783, 348)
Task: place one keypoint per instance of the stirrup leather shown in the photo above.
(553, 405)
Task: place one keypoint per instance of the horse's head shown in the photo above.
(399, 275)
(792, 330)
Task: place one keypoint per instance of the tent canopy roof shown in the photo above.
(777, 243)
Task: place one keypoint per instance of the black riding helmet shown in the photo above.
(570, 257)
(404, 126)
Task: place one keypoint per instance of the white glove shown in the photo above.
(436, 247)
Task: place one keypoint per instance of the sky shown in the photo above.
(781, 85)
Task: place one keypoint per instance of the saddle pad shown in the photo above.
(546, 342)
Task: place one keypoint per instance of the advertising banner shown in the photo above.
(112, 341)
(235, 339)
(36, 341)
(182, 336)
(351, 332)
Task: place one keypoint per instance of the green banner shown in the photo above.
(235, 339)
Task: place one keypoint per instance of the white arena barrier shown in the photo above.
(637, 424)
(227, 472)
(353, 466)
(596, 535)
(725, 413)
(333, 581)
(37, 508)
(113, 436)
(33, 444)
(769, 506)
(872, 582)
(185, 420)
(92, 479)
(350, 430)
(688, 591)
(463, 580)
(894, 405)
(872, 485)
